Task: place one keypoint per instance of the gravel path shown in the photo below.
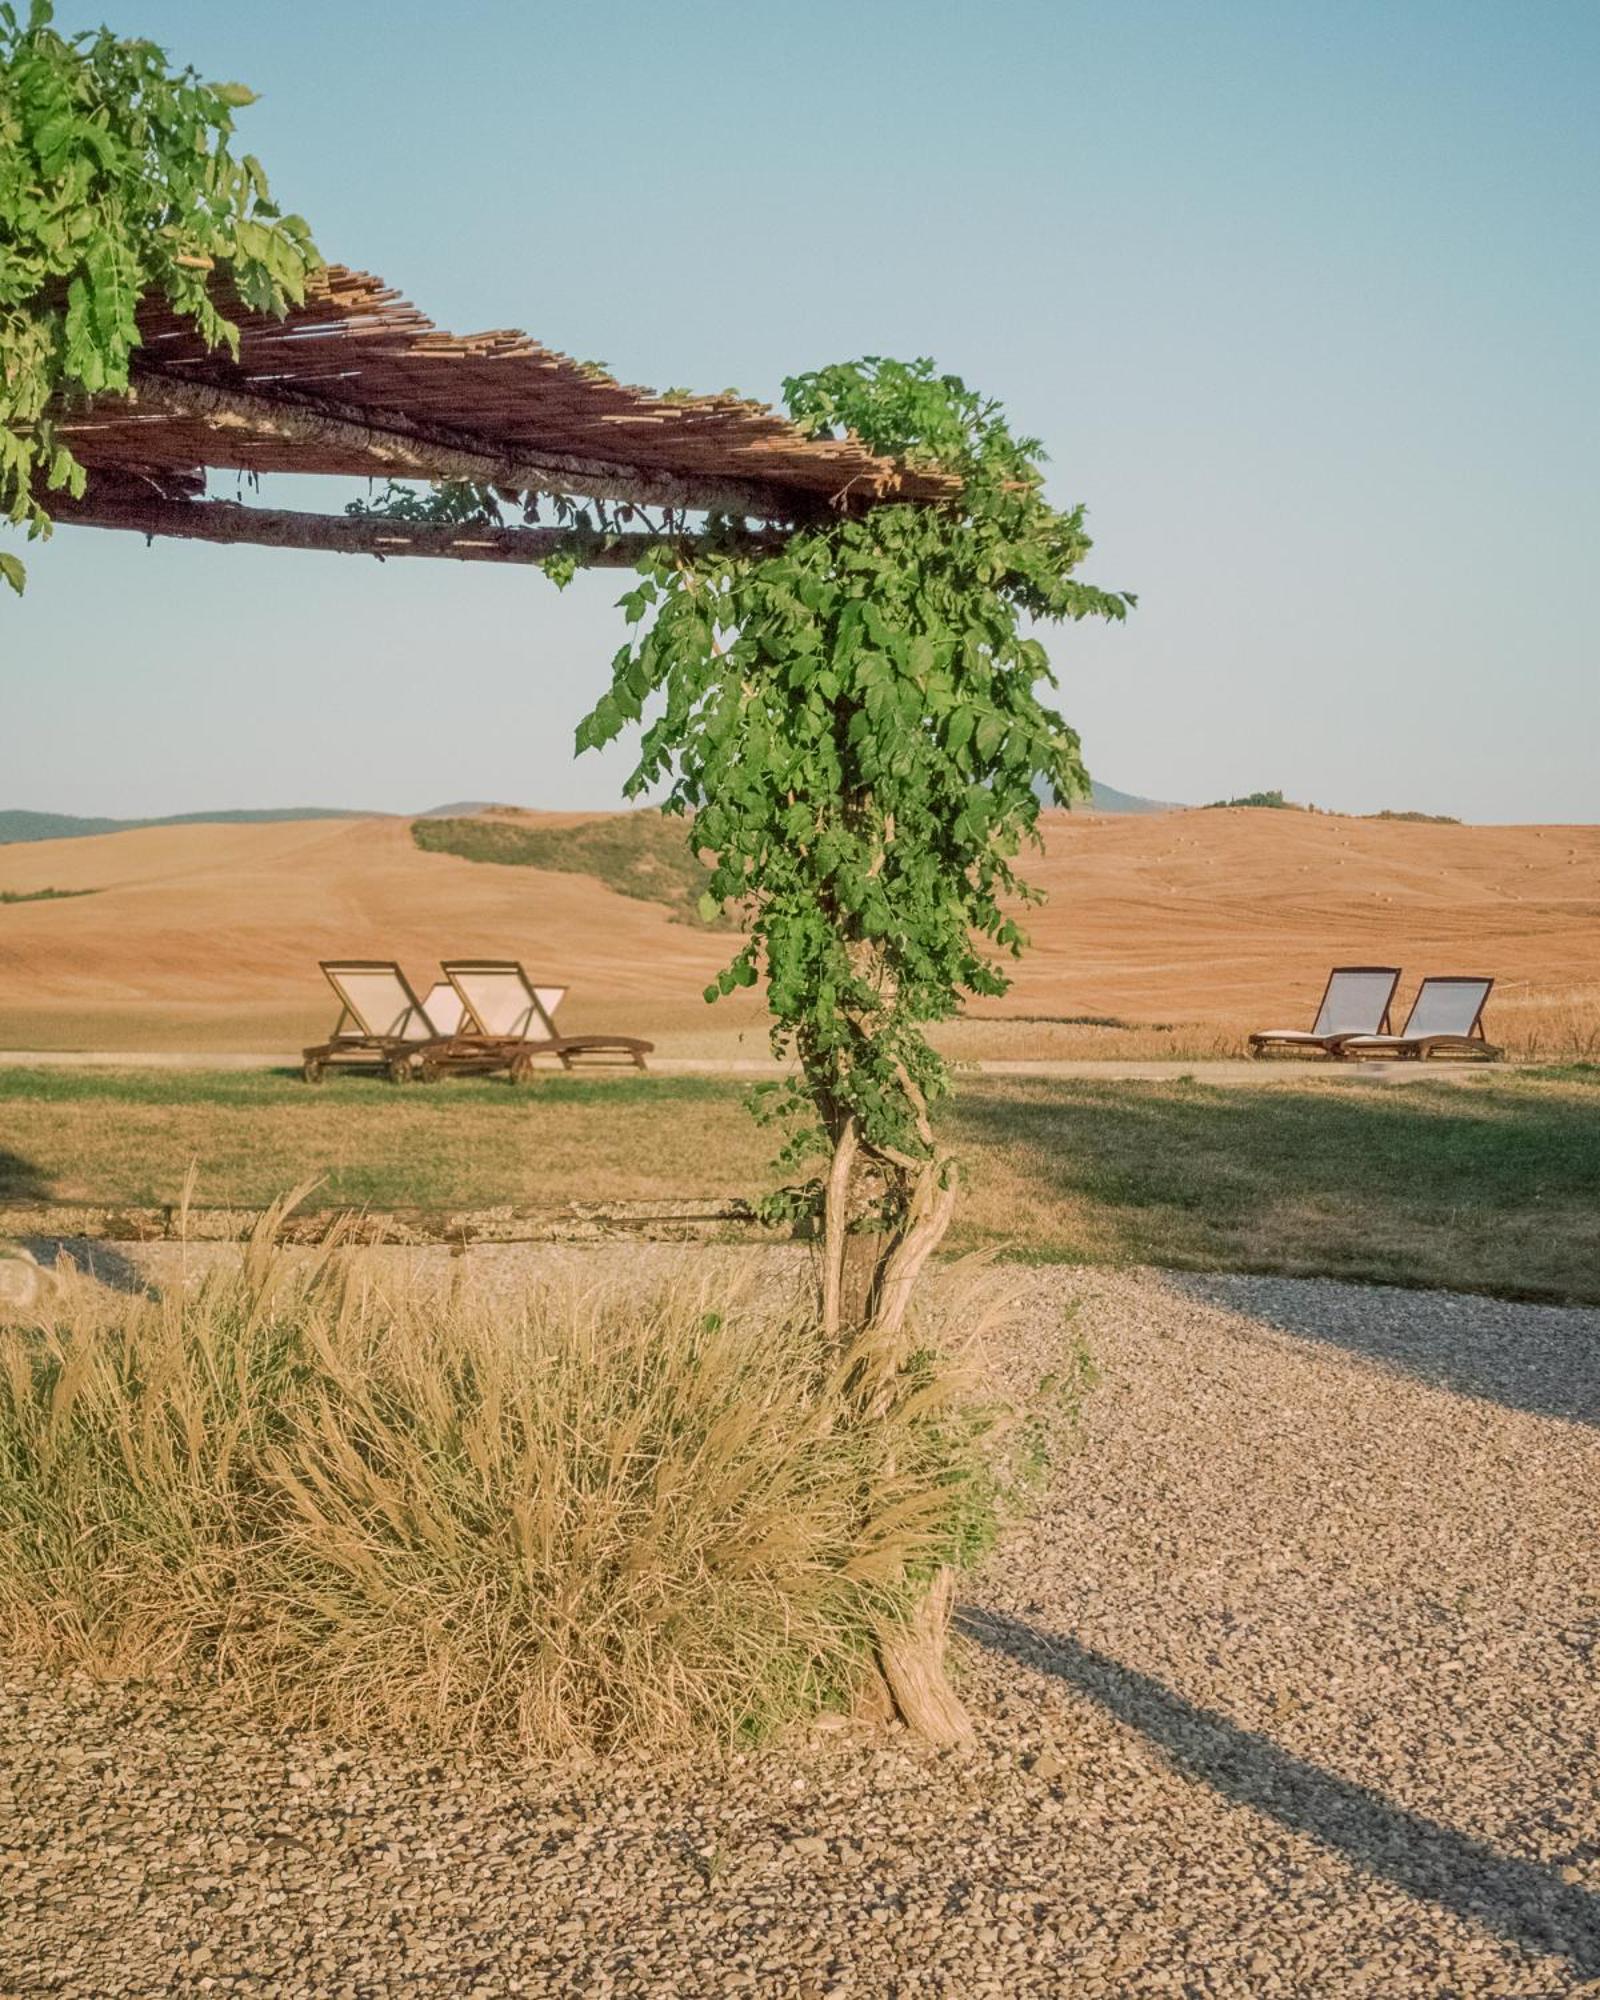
(1288, 1687)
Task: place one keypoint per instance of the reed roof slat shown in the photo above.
(360, 351)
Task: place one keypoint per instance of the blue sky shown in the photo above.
(1303, 299)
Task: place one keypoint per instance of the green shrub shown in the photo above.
(578, 1519)
(1418, 818)
(646, 854)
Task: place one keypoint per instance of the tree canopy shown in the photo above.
(856, 723)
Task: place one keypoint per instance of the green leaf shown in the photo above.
(14, 572)
(112, 168)
(853, 719)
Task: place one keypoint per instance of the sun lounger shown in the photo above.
(381, 1021)
(383, 1026)
(502, 1007)
(1356, 1002)
(1446, 1019)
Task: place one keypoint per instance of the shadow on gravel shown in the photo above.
(1522, 1901)
(1543, 1359)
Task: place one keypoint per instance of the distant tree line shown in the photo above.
(1275, 801)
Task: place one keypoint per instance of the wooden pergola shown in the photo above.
(357, 383)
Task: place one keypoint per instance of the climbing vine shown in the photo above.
(116, 182)
(855, 713)
(856, 723)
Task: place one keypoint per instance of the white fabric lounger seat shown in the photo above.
(502, 1006)
(1356, 1001)
(383, 1026)
(1446, 1019)
(444, 1009)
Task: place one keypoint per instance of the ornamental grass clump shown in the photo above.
(592, 1519)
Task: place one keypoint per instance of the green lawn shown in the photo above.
(1492, 1185)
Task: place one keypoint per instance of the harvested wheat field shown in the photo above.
(208, 937)
(1169, 934)
(1285, 1686)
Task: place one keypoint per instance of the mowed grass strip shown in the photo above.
(129, 1136)
(1492, 1184)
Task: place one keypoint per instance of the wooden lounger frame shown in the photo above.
(519, 1051)
(1473, 1046)
(1292, 1043)
(356, 1044)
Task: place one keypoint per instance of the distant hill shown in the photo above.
(1107, 799)
(17, 826)
(1276, 802)
(1267, 801)
(20, 826)
(642, 854)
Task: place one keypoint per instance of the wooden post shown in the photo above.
(364, 534)
(355, 440)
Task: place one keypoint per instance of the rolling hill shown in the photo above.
(1107, 799)
(1165, 933)
(17, 826)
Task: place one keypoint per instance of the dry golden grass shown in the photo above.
(991, 1038)
(1539, 1024)
(583, 1519)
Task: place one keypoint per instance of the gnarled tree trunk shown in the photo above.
(868, 1274)
(911, 1658)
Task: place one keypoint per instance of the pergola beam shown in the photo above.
(228, 521)
(389, 442)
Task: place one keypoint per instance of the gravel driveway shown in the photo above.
(1289, 1686)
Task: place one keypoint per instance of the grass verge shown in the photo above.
(1492, 1184)
(587, 1520)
